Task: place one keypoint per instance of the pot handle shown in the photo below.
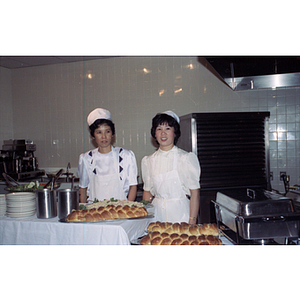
(53, 179)
(274, 218)
(251, 193)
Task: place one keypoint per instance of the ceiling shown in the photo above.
(16, 62)
(238, 72)
(225, 66)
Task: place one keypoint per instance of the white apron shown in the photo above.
(106, 186)
(171, 203)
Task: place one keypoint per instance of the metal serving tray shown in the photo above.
(257, 214)
(249, 202)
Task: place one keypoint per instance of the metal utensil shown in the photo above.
(72, 184)
(52, 181)
(9, 180)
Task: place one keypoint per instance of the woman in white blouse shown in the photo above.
(106, 172)
(171, 175)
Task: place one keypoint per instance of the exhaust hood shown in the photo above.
(254, 72)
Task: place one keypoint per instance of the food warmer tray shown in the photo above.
(149, 216)
(257, 214)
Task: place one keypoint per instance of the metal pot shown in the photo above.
(68, 199)
(46, 203)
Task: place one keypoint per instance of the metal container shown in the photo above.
(46, 203)
(257, 214)
(68, 199)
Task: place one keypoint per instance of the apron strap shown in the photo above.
(120, 160)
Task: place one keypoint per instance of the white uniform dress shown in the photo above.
(169, 176)
(107, 175)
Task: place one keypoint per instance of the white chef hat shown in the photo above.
(172, 114)
(98, 113)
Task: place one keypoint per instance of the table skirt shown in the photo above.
(34, 231)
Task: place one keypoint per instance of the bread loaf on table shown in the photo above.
(180, 228)
(157, 238)
(106, 213)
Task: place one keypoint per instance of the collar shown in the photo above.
(169, 151)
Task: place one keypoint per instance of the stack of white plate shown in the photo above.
(2, 205)
(19, 205)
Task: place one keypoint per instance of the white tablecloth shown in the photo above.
(34, 231)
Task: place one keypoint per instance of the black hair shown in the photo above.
(160, 119)
(100, 122)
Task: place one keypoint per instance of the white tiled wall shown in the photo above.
(6, 113)
(284, 129)
(49, 105)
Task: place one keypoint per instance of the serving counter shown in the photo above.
(34, 231)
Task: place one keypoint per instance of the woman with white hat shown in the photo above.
(171, 175)
(106, 172)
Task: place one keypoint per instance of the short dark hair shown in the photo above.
(165, 119)
(100, 122)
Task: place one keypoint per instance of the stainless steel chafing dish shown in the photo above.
(252, 215)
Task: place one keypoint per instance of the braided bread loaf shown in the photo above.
(157, 238)
(202, 229)
(106, 213)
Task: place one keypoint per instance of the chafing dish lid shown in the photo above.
(249, 202)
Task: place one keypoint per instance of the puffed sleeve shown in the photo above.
(83, 172)
(194, 171)
(132, 169)
(146, 174)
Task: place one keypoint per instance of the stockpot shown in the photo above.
(46, 203)
(68, 199)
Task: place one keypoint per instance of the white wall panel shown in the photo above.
(50, 105)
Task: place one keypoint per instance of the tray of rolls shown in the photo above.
(166, 233)
(108, 211)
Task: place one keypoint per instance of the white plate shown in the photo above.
(20, 209)
(20, 215)
(20, 204)
(21, 199)
(19, 196)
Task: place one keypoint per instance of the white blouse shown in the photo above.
(104, 165)
(188, 168)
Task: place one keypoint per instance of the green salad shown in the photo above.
(28, 187)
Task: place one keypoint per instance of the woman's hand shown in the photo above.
(192, 221)
(132, 192)
(147, 196)
(82, 195)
